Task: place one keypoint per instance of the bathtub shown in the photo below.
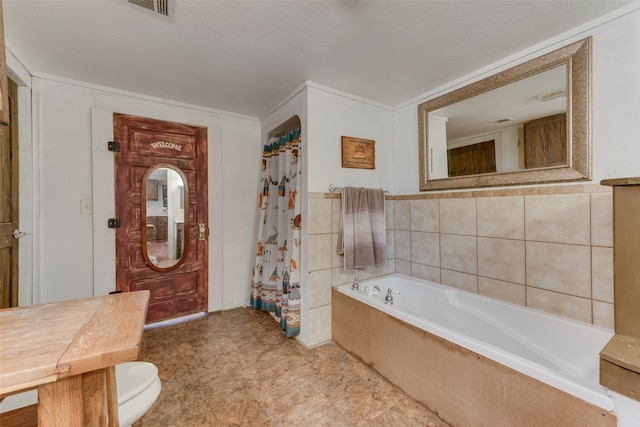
(542, 348)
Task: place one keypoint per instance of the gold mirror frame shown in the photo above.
(577, 58)
(143, 217)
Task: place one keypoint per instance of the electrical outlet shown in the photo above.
(86, 206)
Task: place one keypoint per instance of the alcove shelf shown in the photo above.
(620, 358)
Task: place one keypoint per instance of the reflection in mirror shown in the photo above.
(528, 124)
(504, 129)
(163, 231)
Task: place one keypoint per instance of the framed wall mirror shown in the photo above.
(529, 124)
(163, 215)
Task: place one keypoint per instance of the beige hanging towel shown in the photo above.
(362, 235)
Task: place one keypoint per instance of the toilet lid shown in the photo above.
(132, 378)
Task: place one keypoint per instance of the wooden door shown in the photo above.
(147, 146)
(472, 159)
(9, 204)
(545, 142)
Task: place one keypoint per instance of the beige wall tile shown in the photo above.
(425, 248)
(602, 219)
(403, 267)
(425, 272)
(319, 288)
(390, 248)
(561, 268)
(558, 218)
(603, 315)
(389, 206)
(369, 272)
(319, 325)
(602, 273)
(339, 276)
(459, 253)
(336, 213)
(337, 260)
(389, 267)
(319, 252)
(501, 217)
(501, 259)
(424, 215)
(401, 215)
(402, 241)
(567, 251)
(458, 216)
(564, 305)
(319, 216)
(505, 291)
(466, 282)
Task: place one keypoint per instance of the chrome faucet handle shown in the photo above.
(355, 285)
(389, 298)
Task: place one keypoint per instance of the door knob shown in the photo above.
(202, 231)
(18, 234)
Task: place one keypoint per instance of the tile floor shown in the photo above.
(235, 368)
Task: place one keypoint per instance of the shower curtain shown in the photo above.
(275, 280)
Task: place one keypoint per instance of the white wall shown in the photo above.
(333, 114)
(64, 247)
(615, 94)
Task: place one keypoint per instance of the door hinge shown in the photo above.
(113, 223)
(113, 146)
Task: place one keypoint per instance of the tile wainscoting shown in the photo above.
(549, 248)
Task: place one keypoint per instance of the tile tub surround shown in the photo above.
(549, 248)
(461, 386)
(215, 372)
(326, 267)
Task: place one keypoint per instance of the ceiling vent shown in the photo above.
(160, 7)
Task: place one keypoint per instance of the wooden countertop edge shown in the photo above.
(624, 351)
(620, 181)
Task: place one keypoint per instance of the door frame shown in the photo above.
(28, 153)
(104, 262)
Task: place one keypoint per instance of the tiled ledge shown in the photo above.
(525, 191)
(620, 365)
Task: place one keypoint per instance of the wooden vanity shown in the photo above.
(620, 358)
(68, 351)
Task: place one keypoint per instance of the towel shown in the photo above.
(362, 235)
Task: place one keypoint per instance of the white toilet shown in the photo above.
(137, 386)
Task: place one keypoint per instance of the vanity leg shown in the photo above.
(94, 398)
(112, 397)
(85, 400)
(60, 403)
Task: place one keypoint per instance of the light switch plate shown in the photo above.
(86, 206)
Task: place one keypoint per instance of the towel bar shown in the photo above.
(334, 189)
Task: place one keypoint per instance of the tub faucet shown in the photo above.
(372, 291)
(389, 298)
(355, 285)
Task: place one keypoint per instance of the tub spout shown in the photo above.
(389, 298)
(372, 291)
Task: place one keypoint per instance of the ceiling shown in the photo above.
(246, 56)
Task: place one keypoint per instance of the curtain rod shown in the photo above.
(334, 189)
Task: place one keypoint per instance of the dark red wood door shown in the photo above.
(145, 144)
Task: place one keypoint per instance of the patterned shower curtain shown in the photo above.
(275, 280)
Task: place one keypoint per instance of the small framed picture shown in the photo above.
(358, 153)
